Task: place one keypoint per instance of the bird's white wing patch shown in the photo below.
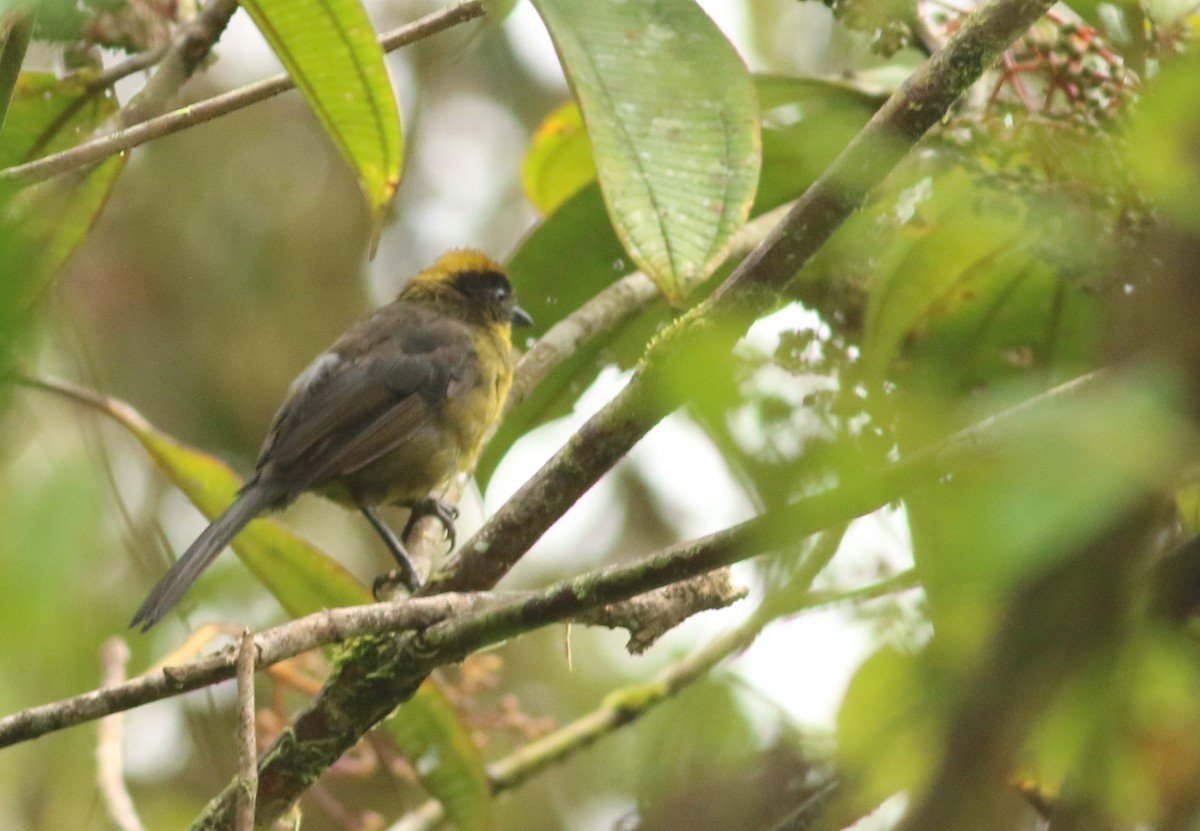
(321, 366)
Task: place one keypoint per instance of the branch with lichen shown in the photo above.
(479, 619)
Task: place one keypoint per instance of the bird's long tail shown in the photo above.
(170, 589)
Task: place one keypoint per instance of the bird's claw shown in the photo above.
(385, 584)
(444, 512)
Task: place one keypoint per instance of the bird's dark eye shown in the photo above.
(501, 293)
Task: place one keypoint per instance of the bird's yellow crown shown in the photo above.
(459, 260)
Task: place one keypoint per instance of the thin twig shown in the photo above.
(100, 148)
(110, 780)
(247, 659)
(92, 80)
(900, 581)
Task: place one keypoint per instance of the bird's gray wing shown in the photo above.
(350, 408)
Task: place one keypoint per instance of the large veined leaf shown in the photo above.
(672, 116)
(329, 49)
(809, 121)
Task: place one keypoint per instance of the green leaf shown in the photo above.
(888, 732)
(1161, 150)
(1066, 468)
(672, 117)
(559, 161)
(433, 739)
(964, 292)
(329, 49)
(806, 123)
(302, 578)
(53, 217)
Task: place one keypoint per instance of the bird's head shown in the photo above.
(470, 285)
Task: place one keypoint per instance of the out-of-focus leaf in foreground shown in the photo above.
(1061, 472)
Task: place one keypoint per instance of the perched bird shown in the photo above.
(398, 404)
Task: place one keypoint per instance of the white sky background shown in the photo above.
(801, 665)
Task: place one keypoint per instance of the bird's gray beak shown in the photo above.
(520, 317)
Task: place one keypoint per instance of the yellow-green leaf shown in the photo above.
(329, 49)
(302, 578)
(431, 735)
(53, 217)
(673, 120)
(887, 728)
(1161, 150)
(559, 161)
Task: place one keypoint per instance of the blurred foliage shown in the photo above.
(128, 25)
(1000, 260)
(890, 25)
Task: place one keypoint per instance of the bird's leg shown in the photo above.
(405, 572)
(432, 506)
